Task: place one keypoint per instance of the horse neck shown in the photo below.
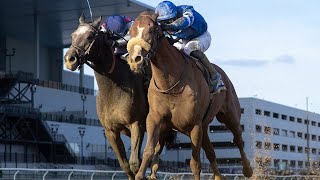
(167, 65)
(102, 56)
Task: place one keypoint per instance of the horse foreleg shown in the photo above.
(155, 162)
(209, 150)
(119, 150)
(153, 131)
(196, 141)
(137, 134)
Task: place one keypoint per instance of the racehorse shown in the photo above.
(179, 96)
(122, 105)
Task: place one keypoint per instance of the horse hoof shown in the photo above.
(247, 171)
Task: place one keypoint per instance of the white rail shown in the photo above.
(113, 174)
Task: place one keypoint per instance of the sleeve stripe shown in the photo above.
(188, 15)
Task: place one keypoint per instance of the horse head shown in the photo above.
(145, 36)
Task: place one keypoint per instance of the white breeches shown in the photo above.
(201, 43)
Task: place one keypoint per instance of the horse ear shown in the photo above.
(96, 22)
(81, 19)
(155, 16)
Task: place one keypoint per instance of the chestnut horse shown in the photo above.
(179, 97)
(122, 105)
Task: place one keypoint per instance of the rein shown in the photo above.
(151, 53)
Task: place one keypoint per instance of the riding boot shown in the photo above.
(213, 79)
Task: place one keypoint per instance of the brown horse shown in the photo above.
(179, 97)
(122, 105)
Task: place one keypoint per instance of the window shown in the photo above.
(306, 136)
(284, 147)
(258, 144)
(284, 117)
(267, 130)
(292, 134)
(314, 151)
(313, 123)
(275, 115)
(300, 149)
(258, 111)
(242, 110)
(318, 138)
(307, 164)
(306, 150)
(267, 146)
(291, 119)
(313, 137)
(284, 132)
(276, 147)
(276, 162)
(306, 121)
(300, 134)
(258, 128)
(292, 149)
(276, 131)
(318, 124)
(300, 164)
(292, 163)
(267, 113)
(299, 120)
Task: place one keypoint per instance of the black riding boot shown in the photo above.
(213, 80)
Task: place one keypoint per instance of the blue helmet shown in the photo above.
(166, 10)
(116, 24)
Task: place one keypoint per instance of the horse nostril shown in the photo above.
(138, 59)
(72, 58)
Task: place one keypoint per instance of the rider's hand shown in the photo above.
(166, 27)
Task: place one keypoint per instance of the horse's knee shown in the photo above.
(148, 152)
(134, 165)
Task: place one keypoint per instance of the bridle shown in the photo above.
(151, 53)
(82, 53)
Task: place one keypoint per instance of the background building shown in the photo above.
(275, 137)
(48, 115)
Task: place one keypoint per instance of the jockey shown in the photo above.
(190, 27)
(119, 26)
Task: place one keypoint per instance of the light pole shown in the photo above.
(7, 54)
(82, 131)
(33, 89)
(105, 145)
(308, 137)
(54, 132)
(83, 98)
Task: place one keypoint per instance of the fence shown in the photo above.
(68, 174)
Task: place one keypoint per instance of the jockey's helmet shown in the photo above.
(116, 24)
(166, 10)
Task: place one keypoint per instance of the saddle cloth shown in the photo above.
(214, 88)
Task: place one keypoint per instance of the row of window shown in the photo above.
(285, 147)
(286, 117)
(290, 163)
(284, 132)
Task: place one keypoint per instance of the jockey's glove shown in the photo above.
(166, 27)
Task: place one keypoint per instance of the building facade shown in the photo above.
(276, 137)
